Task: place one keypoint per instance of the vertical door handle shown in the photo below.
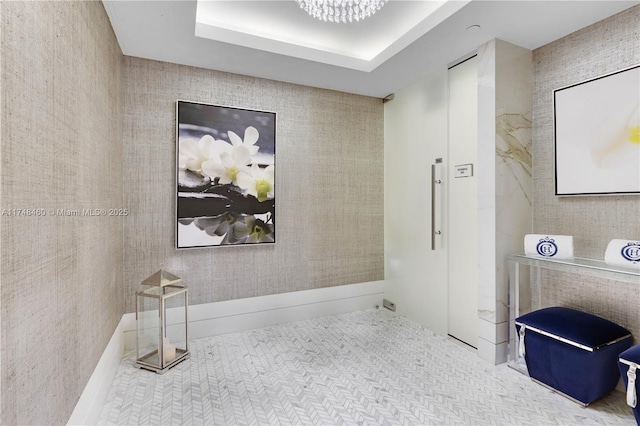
(434, 182)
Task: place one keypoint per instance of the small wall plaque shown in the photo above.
(463, 170)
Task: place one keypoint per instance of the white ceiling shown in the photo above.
(401, 43)
(290, 31)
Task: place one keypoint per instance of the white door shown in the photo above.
(415, 129)
(462, 195)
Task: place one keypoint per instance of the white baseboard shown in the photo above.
(493, 353)
(211, 319)
(94, 395)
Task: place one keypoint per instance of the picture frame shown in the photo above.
(225, 176)
(597, 135)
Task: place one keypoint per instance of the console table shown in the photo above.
(524, 288)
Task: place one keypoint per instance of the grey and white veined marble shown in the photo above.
(505, 183)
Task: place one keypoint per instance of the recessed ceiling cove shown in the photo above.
(402, 42)
(284, 28)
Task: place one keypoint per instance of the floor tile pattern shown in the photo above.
(362, 368)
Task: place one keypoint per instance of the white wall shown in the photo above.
(415, 133)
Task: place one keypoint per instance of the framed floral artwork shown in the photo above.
(597, 135)
(225, 175)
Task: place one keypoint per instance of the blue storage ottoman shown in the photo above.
(629, 364)
(572, 352)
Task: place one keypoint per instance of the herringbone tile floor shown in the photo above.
(367, 368)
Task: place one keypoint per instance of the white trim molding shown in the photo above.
(212, 319)
(94, 395)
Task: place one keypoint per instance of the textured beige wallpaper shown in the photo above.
(615, 300)
(61, 278)
(604, 47)
(329, 186)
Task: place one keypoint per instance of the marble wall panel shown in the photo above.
(504, 179)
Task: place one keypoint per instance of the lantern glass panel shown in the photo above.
(175, 337)
(149, 329)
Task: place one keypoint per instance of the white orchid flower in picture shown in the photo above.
(226, 183)
(251, 136)
(258, 183)
(192, 154)
(228, 165)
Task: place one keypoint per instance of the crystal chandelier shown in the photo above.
(341, 10)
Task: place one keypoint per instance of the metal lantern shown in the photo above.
(161, 318)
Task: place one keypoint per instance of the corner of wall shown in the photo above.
(506, 190)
